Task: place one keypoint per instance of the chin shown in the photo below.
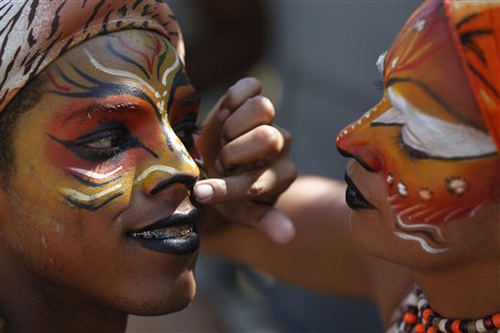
(154, 299)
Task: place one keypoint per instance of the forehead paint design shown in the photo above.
(426, 137)
(157, 76)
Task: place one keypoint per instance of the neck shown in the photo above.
(51, 310)
(465, 292)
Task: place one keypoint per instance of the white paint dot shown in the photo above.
(420, 25)
(402, 190)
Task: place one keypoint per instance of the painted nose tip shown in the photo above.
(361, 149)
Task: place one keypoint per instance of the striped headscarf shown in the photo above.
(33, 33)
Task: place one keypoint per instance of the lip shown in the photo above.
(355, 200)
(175, 234)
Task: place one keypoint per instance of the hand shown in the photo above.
(248, 158)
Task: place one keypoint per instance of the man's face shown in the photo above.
(99, 202)
(426, 139)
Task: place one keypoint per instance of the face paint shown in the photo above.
(92, 135)
(427, 137)
(102, 161)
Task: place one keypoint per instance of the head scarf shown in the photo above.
(33, 33)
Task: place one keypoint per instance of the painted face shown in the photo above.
(103, 171)
(426, 138)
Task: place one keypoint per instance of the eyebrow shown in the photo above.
(193, 100)
(88, 111)
(431, 93)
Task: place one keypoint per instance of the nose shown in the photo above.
(359, 141)
(173, 166)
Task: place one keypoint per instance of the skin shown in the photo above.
(113, 126)
(454, 255)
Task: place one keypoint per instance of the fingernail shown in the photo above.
(223, 114)
(203, 192)
(218, 167)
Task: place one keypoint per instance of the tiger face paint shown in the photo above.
(427, 138)
(104, 165)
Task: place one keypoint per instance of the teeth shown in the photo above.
(161, 234)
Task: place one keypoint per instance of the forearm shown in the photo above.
(322, 257)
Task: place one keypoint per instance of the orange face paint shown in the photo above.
(429, 137)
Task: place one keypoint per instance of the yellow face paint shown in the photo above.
(104, 165)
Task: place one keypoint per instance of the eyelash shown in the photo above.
(186, 129)
(412, 151)
(379, 84)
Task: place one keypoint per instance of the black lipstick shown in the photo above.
(355, 200)
(175, 234)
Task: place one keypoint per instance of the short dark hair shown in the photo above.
(24, 100)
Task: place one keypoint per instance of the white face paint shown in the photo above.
(380, 62)
(79, 196)
(432, 136)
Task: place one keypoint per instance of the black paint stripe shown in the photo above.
(92, 184)
(122, 11)
(9, 67)
(66, 45)
(94, 13)
(35, 70)
(161, 59)
(91, 208)
(483, 79)
(127, 59)
(86, 76)
(55, 22)
(6, 12)
(136, 4)
(34, 7)
(104, 24)
(466, 19)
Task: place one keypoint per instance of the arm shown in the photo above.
(322, 257)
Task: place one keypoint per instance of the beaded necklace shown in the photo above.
(418, 317)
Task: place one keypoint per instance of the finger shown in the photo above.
(262, 143)
(254, 112)
(269, 221)
(263, 185)
(241, 91)
(276, 226)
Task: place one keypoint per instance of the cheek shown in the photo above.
(433, 191)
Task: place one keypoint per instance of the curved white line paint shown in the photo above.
(419, 226)
(154, 168)
(426, 247)
(118, 72)
(439, 212)
(411, 209)
(95, 175)
(170, 69)
(435, 136)
(74, 194)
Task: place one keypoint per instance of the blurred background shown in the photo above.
(316, 60)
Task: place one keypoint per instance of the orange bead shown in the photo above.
(410, 318)
(431, 330)
(427, 313)
(455, 326)
(496, 320)
(420, 328)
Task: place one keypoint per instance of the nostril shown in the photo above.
(186, 180)
(368, 161)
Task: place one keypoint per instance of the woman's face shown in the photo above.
(99, 203)
(426, 164)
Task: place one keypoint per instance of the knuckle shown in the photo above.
(257, 188)
(270, 138)
(264, 108)
(225, 156)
